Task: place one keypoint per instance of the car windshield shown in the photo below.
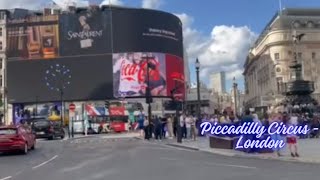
(41, 123)
(10, 131)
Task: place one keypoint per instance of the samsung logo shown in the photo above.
(84, 34)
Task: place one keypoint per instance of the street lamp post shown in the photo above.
(198, 88)
(235, 89)
(176, 103)
(149, 99)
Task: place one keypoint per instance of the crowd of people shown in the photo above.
(166, 127)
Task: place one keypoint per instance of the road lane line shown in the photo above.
(212, 164)
(9, 177)
(231, 165)
(35, 167)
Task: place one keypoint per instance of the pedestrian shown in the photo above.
(141, 126)
(247, 118)
(292, 138)
(170, 126)
(175, 125)
(163, 127)
(276, 117)
(182, 126)
(188, 126)
(157, 128)
(193, 127)
(146, 126)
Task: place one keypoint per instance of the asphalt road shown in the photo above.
(131, 159)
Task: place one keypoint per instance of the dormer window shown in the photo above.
(310, 24)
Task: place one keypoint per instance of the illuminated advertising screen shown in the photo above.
(33, 38)
(81, 78)
(137, 30)
(130, 72)
(87, 32)
(133, 71)
(107, 52)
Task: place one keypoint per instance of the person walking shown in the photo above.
(146, 127)
(193, 127)
(188, 126)
(182, 126)
(292, 138)
(141, 124)
(157, 128)
(276, 117)
(170, 126)
(163, 127)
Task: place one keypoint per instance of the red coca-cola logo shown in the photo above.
(128, 71)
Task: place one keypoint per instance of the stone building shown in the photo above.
(267, 64)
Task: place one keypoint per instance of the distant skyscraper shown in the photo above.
(218, 82)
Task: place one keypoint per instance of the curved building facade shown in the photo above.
(93, 54)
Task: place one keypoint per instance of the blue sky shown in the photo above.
(219, 32)
(207, 14)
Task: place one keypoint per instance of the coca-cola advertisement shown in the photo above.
(133, 72)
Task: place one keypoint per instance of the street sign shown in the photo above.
(72, 107)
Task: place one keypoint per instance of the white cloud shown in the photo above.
(225, 49)
(28, 4)
(39, 4)
(151, 4)
(234, 74)
(113, 2)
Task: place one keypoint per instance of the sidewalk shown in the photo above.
(309, 150)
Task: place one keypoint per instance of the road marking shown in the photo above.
(9, 177)
(35, 167)
(213, 164)
(231, 165)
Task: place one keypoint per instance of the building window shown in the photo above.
(313, 55)
(278, 69)
(289, 53)
(0, 63)
(0, 45)
(0, 32)
(276, 56)
(279, 82)
(2, 15)
(299, 55)
(1, 81)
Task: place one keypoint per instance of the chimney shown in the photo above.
(46, 11)
(56, 11)
(72, 9)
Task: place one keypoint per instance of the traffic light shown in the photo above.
(106, 104)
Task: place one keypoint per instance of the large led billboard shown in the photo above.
(85, 33)
(134, 72)
(102, 48)
(142, 30)
(33, 38)
(83, 78)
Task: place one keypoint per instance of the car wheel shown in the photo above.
(50, 138)
(62, 137)
(25, 149)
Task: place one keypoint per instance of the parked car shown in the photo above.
(47, 129)
(17, 138)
